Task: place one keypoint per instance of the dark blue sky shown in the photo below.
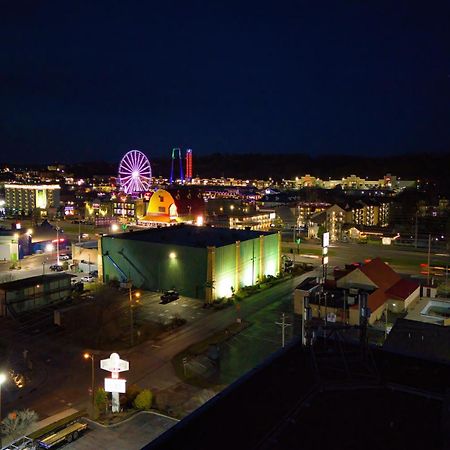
(83, 80)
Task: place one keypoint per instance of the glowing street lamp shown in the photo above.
(137, 295)
(172, 255)
(3, 378)
(114, 227)
(91, 357)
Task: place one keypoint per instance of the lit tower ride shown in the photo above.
(174, 152)
(188, 164)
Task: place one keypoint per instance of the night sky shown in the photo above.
(84, 80)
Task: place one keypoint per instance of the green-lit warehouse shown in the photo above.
(202, 262)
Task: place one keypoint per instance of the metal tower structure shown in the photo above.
(176, 151)
(188, 164)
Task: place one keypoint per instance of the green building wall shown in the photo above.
(231, 267)
(150, 265)
(253, 260)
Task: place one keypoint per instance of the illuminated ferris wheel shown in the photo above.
(135, 172)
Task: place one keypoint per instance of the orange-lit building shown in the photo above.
(161, 210)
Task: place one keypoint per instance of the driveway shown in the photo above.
(131, 435)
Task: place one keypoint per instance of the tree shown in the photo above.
(143, 401)
(17, 423)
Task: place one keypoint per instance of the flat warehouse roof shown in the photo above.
(190, 235)
(32, 281)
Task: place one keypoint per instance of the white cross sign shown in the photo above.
(114, 364)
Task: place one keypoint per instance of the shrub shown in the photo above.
(65, 265)
(132, 392)
(101, 399)
(143, 401)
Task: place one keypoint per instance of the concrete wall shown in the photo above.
(403, 305)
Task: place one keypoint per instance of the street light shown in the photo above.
(91, 357)
(114, 227)
(137, 294)
(3, 378)
(57, 245)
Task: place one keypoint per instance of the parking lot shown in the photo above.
(185, 308)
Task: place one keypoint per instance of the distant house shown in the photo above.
(389, 286)
(341, 297)
(331, 219)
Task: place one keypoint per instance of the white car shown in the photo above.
(64, 257)
(87, 279)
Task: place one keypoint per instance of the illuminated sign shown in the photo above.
(116, 385)
(326, 239)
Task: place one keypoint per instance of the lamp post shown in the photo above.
(137, 294)
(91, 357)
(57, 245)
(3, 378)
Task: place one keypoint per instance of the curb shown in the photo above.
(130, 418)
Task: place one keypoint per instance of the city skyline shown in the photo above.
(95, 80)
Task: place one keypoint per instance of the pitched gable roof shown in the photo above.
(376, 299)
(380, 273)
(402, 289)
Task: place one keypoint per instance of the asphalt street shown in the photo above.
(64, 376)
(403, 260)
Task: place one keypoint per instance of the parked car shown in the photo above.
(77, 286)
(65, 257)
(169, 296)
(87, 279)
(56, 268)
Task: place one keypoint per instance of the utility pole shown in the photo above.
(386, 314)
(416, 231)
(57, 245)
(283, 328)
(131, 313)
(429, 258)
(345, 307)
